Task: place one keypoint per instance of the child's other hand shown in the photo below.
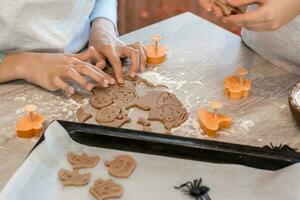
(269, 16)
(53, 71)
(209, 6)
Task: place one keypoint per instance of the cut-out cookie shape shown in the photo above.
(124, 94)
(101, 100)
(121, 167)
(81, 115)
(164, 107)
(82, 161)
(226, 8)
(73, 178)
(236, 87)
(212, 122)
(31, 124)
(106, 189)
(170, 115)
(112, 116)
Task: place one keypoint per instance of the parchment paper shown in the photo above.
(154, 177)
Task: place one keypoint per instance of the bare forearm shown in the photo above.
(10, 68)
(102, 28)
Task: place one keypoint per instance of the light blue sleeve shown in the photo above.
(106, 9)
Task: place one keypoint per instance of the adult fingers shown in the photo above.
(133, 54)
(142, 55)
(217, 11)
(246, 19)
(240, 3)
(60, 84)
(206, 4)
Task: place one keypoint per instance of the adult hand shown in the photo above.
(269, 16)
(104, 39)
(209, 6)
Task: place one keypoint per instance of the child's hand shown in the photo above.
(52, 71)
(104, 39)
(269, 16)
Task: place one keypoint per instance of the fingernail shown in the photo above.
(121, 81)
(209, 9)
(133, 74)
(71, 90)
(90, 87)
(105, 83)
(112, 81)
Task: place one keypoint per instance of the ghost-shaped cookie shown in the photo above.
(73, 178)
(112, 116)
(121, 167)
(106, 189)
(82, 161)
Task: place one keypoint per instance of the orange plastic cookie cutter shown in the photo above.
(156, 54)
(212, 122)
(31, 124)
(237, 87)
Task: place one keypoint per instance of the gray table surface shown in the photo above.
(200, 56)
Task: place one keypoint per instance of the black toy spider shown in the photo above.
(196, 189)
(280, 148)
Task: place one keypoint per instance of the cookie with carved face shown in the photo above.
(170, 115)
(112, 116)
(121, 167)
(106, 189)
(82, 161)
(101, 100)
(73, 178)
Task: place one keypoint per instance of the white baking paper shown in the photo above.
(153, 179)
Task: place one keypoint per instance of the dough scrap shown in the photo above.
(73, 178)
(122, 166)
(143, 121)
(81, 115)
(106, 189)
(112, 116)
(82, 161)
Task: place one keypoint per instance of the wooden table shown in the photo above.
(200, 56)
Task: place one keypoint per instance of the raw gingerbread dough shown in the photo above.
(77, 97)
(81, 115)
(122, 166)
(145, 123)
(226, 8)
(101, 100)
(112, 116)
(164, 107)
(69, 178)
(109, 105)
(82, 161)
(106, 189)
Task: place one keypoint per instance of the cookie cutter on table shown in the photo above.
(178, 146)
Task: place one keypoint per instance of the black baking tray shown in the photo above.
(177, 146)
